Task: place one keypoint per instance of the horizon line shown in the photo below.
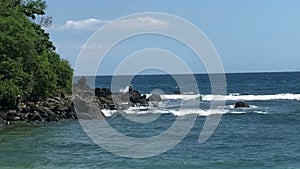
(200, 73)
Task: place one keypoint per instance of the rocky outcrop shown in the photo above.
(241, 104)
(2, 121)
(136, 98)
(104, 98)
(47, 110)
(102, 92)
(86, 102)
(82, 84)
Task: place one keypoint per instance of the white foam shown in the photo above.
(253, 107)
(139, 108)
(234, 97)
(260, 112)
(131, 111)
(185, 112)
(233, 94)
(230, 106)
(237, 112)
(181, 97)
(182, 112)
(108, 113)
(286, 96)
(124, 90)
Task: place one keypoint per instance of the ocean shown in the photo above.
(265, 135)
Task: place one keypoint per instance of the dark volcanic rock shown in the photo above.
(3, 114)
(88, 103)
(82, 81)
(35, 116)
(102, 92)
(2, 121)
(136, 98)
(240, 104)
(81, 105)
(49, 109)
(120, 97)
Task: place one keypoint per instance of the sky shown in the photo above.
(249, 35)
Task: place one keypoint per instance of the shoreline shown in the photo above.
(85, 103)
(46, 110)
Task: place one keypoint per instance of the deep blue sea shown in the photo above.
(265, 135)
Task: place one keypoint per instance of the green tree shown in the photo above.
(29, 64)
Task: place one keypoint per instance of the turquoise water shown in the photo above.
(266, 135)
(241, 141)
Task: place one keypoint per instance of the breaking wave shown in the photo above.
(183, 112)
(228, 109)
(234, 96)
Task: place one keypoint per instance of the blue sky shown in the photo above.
(250, 36)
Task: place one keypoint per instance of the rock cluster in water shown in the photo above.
(241, 104)
(86, 102)
(89, 102)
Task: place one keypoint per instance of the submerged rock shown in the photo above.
(240, 104)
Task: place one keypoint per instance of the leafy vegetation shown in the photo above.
(29, 65)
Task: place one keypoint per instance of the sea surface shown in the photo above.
(265, 135)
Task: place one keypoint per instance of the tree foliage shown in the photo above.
(29, 65)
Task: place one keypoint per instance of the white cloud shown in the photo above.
(91, 47)
(93, 24)
(147, 22)
(90, 24)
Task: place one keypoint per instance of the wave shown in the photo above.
(233, 97)
(183, 112)
(124, 90)
(108, 113)
(181, 97)
(229, 109)
(232, 107)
